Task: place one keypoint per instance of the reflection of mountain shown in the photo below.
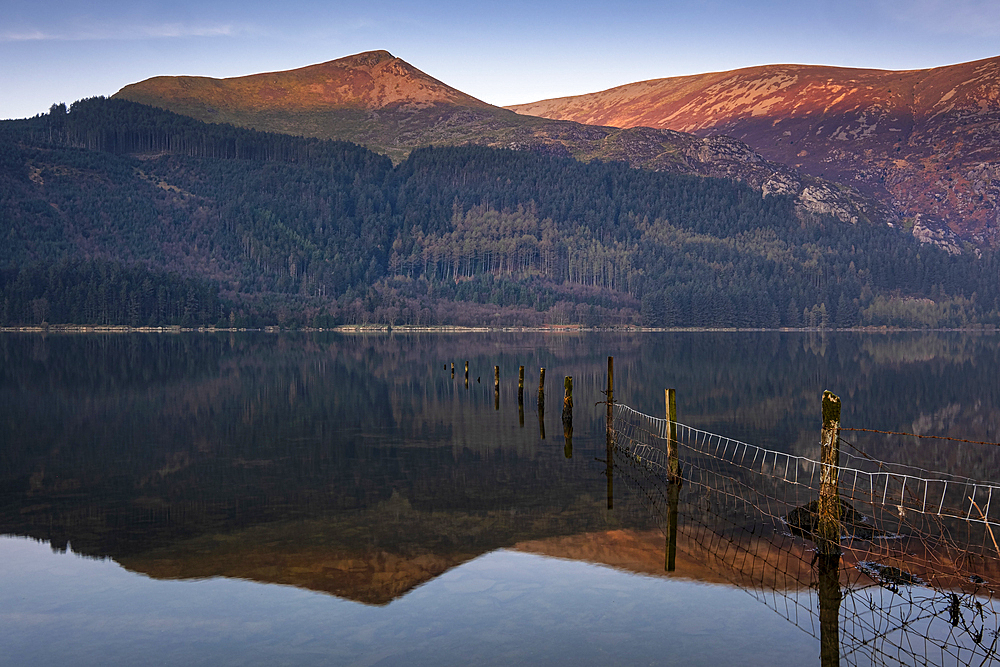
(356, 465)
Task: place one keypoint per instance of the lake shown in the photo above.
(347, 499)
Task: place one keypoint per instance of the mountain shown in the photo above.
(382, 102)
(926, 143)
(372, 98)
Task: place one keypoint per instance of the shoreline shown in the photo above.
(386, 329)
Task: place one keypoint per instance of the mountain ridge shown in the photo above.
(378, 100)
(924, 142)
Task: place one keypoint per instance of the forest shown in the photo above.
(118, 213)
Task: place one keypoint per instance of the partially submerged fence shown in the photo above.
(883, 563)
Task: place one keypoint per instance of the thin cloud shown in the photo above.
(124, 33)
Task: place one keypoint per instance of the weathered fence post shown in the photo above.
(567, 413)
(610, 471)
(828, 530)
(673, 460)
(541, 389)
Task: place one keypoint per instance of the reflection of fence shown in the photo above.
(918, 568)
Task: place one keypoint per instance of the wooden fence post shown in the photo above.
(673, 460)
(828, 530)
(567, 416)
(567, 413)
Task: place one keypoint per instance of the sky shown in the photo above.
(500, 52)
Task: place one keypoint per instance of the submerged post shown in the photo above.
(453, 370)
(567, 416)
(567, 413)
(520, 396)
(496, 387)
(541, 389)
(830, 597)
(466, 374)
(609, 456)
(828, 530)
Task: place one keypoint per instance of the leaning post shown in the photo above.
(828, 530)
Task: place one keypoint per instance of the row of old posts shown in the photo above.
(567, 412)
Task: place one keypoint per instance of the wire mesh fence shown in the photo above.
(915, 579)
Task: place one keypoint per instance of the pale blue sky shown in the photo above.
(503, 53)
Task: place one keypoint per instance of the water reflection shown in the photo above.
(361, 466)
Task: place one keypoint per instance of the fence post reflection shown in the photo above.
(829, 609)
(567, 416)
(610, 472)
(520, 396)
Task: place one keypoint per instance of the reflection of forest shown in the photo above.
(358, 463)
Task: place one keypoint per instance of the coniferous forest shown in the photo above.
(117, 213)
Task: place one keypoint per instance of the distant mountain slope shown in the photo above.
(925, 142)
(371, 98)
(382, 102)
(373, 80)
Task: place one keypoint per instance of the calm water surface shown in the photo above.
(345, 500)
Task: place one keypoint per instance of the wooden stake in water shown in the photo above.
(453, 370)
(496, 387)
(466, 374)
(541, 390)
(828, 531)
(673, 460)
(567, 416)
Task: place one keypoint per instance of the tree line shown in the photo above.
(301, 231)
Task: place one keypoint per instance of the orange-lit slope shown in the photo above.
(926, 142)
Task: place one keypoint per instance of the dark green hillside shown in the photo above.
(296, 231)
